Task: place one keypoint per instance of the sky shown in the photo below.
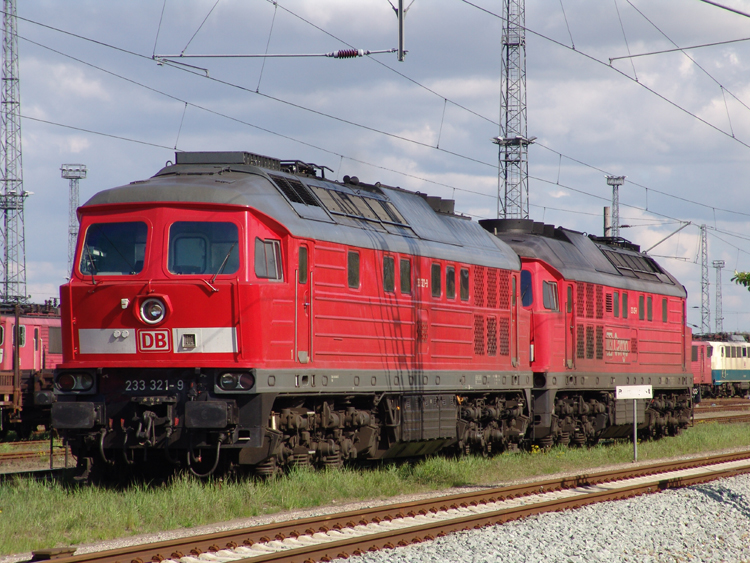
(676, 124)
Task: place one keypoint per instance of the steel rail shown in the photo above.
(31, 454)
(417, 520)
(731, 419)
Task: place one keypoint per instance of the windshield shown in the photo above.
(197, 247)
(114, 249)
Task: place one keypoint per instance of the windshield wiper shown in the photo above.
(221, 269)
(91, 262)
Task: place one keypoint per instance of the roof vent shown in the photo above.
(229, 157)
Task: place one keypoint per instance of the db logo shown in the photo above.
(153, 341)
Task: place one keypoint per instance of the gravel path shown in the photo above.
(703, 523)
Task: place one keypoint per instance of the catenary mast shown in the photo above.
(513, 174)
(705, 298)
(13, 195)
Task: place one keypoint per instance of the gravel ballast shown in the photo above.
(702, 523)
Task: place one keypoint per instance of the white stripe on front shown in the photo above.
(207, 340)
(106, 341)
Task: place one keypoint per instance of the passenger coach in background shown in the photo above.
(26, 388)
(721, 366)
(241, 310)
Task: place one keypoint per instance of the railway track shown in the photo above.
(324, 538)
(729, 419)
(34, 450)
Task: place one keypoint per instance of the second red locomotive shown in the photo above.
(244, 309)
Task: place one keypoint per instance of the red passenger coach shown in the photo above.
(26, 388)
(603, 315)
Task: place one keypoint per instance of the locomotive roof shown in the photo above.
(312, 207)
(615, 263)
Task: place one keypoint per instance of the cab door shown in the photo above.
(303, 306)
(570, 325)
(514, 359)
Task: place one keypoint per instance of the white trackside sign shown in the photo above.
(634, 392)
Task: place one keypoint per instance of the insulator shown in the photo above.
(346, 53)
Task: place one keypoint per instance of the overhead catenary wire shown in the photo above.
(338, 54)
(691, 59)
(677, 49)
(343, 156)
(578, 161)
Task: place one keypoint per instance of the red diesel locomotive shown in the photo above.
(241, 309)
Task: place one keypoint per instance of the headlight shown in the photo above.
(228, 381)
(153, 311)
(233, 381)
(75, 381)
(66, 382)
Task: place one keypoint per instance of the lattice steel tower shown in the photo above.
(705, 300)
(513, 174)
(13, 194)
(719, 264)
(74, 173)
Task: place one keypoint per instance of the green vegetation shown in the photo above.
(742, 278)
(35, 515)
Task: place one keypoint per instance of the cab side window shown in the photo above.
(549, 295)
(527, 293)
(268, 259)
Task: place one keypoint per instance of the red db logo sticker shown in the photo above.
(153, 341)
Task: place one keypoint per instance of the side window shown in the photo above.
(569, 304)
(2, 335)
(649, 312)
(722, 351)
(640, 307)
(405, 273)
(464, 284)
(744, 352)
(624, 305)
(695, 354)
(36, 339)
(549, 295)
(302, 264)
(437, 290)
(22, 334)
(450, 282)
(352, 269)
(268, 259)
(664, 310)
(527, 294)
(389, 273)
(513, 292)
(616, 306)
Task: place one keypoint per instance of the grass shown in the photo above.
(44, 514)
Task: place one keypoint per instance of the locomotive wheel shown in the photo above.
(578, 439)
(267, 469)
(564, 438)
(546, 442)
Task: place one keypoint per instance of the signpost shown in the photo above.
(634, 392)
